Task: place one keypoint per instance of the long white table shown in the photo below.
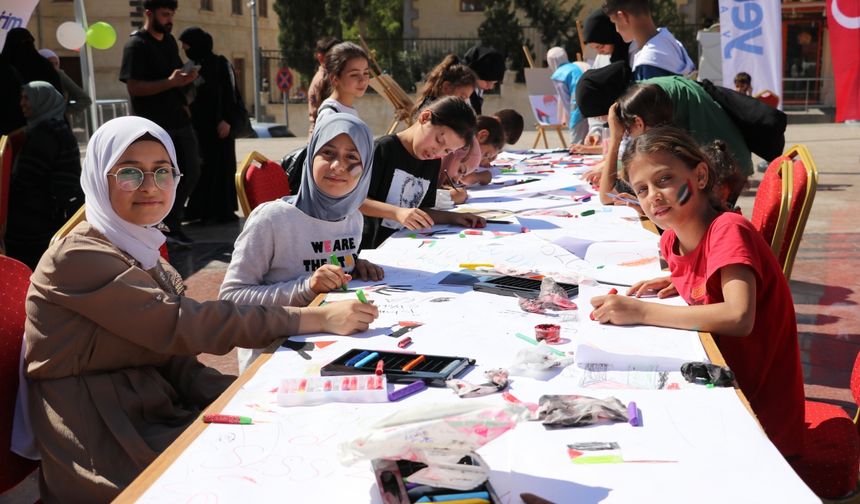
(716, 449)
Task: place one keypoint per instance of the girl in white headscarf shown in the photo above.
(294, 248)
(111, 342)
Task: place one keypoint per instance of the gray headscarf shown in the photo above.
(310, 199)
(45, 102)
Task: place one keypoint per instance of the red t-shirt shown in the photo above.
(767, 362)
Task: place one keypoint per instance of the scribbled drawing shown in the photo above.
(638, 262)
(442, 299)
(630, 258)
(595, 373)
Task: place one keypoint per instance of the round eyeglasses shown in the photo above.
(130, 179)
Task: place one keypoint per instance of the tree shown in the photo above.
(301, 24)
(501, 30)
(557, 24)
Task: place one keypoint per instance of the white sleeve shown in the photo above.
(252, 259)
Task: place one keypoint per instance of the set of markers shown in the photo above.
(323, 389)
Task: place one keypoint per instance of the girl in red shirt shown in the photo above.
(725, 271)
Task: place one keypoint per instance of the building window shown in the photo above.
(237, 7)
(471, 5)
(263, 6)
(206, 5)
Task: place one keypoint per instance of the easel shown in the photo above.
(391, 91)
(540, 127)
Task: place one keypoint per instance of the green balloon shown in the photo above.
(101, 35)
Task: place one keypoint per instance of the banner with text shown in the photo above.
(843, 22)
(14, 14)
(751, 41)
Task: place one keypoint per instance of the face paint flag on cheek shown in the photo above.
(685, 193)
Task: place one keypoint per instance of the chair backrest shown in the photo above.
(14, 282)
(770, 210)
(855, 382)
(768, 97)
(81, 216)
(259, 180)
(805, 185)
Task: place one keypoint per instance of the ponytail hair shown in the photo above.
(729, 180)
(648, 102)
(454, 113)
(678, 144)
(450, 70)
(338, 56)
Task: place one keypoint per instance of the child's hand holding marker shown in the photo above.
(329, 277)
(414, 218)
(346, 317)
(618, 310)
(662, 287)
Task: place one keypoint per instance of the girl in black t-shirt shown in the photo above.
(406, 168)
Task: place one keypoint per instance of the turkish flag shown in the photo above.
(843, 22)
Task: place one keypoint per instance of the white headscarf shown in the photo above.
(556, 57)
(106, 146)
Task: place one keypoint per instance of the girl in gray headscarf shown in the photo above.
(45, 184)
(294, 248)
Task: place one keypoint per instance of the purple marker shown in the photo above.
(408, 390)
(633, 415)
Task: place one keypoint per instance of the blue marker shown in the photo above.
(454, 497)
(363, 354)
(367, 359)
(622, 198)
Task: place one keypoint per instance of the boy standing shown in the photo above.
(654, 52)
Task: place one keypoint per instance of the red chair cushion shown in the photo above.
(767, 201)
(14, 282)
(266, 182)
(831, 452)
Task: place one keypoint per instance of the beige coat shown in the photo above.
(111, 362)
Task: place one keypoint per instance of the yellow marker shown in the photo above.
(472, 266)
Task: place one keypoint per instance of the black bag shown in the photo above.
(293, 162)
(762, 126)
(238, 117)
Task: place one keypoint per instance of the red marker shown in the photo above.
(405, 342)
(613, 291)
(226, 419)
(379, 366)
(473, 232)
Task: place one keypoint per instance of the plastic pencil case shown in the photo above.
(434, 370)
(323, 389)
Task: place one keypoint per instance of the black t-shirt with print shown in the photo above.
(146, 59)
(398, 179)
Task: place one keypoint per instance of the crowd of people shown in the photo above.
(111, 339)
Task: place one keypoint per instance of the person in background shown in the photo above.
(654, 51)
(489, 65)
(111, 341)
(491, 139)
(45, 188)
(743, 83)
(214, 196)
(449, 78)
(152, 72)
(599, 33)
(12, 119)
(564, 77)
(77, 100)
(19, 50)
(406, 169)
(347, 71)
(318, 89)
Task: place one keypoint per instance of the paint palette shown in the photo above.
(399, 367)
(519, 286)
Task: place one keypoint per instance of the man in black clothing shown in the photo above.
(152, 72)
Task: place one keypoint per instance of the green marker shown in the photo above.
(333, 260)
(535, 342)
(587, 213)
(360, 294)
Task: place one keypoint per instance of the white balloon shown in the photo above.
(71, 35)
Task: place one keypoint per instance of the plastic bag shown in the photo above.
(558, 411)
